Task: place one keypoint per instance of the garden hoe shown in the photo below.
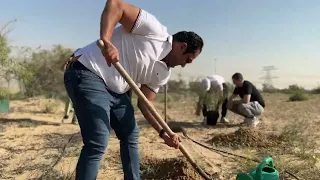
(154, 112)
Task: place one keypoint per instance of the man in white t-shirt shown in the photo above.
(214, 95)
(99, 94)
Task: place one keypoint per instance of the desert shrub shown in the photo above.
(195, 86)
(298, 97)
(40, 71)
(51, 107)
(266, 88)
(292, 89)
(17, 96)
(4, 93)
(177, 86)
(316, 90)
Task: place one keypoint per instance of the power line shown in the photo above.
(268, 77)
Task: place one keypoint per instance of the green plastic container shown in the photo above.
(4, 105)
(265, 171)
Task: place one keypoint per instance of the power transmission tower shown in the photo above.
(268, 77)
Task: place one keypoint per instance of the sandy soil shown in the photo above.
(32, 141)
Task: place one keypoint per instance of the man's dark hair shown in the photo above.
(237, 76)
(193, 40)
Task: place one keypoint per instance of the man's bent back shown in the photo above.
(100, 95)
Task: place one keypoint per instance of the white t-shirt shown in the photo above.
(140, 52)
(214, 81)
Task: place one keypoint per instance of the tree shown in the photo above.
(195, 86)
(295, 88)
(5, 61)
(177, 86)
(40, 71)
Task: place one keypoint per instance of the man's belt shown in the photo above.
(71, 59)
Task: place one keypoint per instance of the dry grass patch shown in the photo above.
(246, 137)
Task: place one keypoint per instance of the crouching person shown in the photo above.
(251, 104)
(213, 96)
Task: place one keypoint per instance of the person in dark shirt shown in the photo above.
(251, 104)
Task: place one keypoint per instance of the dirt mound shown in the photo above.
(165, 169)
(246, 137)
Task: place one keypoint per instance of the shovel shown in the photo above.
(154, 112)
(165, 102)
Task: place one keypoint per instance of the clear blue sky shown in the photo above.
(242, 35)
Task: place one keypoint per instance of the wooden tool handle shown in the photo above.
(165, 102)
(153, 111)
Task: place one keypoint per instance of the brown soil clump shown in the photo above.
(246, 137)
(168, 169)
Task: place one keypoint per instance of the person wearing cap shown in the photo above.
(214, 94)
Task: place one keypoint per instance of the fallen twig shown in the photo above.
(59, 158)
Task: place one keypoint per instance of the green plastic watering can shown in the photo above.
(265, 171)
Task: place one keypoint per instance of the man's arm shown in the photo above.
(117, 11)
(231, 101)
(232, 97)
(247, 92)
(173, 140)
(246, 98)
(198, 106)
(150, 95)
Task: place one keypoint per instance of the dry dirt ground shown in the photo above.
(33, 142)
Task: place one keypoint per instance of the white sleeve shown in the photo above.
(217, 84)
(148, 25)
(220, 87)
(159, 76)
(221, 83)
(206, 84)
(218, 80)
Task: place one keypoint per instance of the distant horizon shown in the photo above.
(14, 86)
(189, 76)
(244, 36)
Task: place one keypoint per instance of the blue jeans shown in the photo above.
(98, 110)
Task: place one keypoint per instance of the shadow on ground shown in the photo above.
(190, 125)
(24, 122)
